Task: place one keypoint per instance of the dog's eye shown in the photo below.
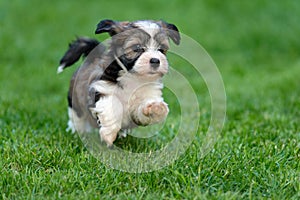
(138, 48)
(162, 50)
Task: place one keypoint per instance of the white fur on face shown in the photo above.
(142, 65)
(150, 27)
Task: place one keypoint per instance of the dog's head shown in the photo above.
(141, 46)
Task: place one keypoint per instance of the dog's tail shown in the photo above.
(81, 46)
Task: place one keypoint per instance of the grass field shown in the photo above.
(256, 47)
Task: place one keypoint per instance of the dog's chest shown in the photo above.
(133, 91)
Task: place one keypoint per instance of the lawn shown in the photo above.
(255, 45)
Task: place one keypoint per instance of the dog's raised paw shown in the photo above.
(156, 110)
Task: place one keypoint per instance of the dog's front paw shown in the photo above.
(157, 111)
(108, 136)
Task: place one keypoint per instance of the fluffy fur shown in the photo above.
(120, 87)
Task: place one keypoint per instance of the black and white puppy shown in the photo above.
(119, 87)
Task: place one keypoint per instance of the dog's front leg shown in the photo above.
(151, 112)
(109, 112)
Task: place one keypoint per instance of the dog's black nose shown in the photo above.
(154, 62)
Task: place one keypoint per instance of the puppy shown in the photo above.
(119, 85)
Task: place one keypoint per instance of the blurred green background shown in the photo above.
(255, 45)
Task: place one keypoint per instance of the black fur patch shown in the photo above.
(111, 73)
(70, 99)
(93, 97)
(128, 63)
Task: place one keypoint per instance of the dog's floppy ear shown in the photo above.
(109, 26)
(172, 31)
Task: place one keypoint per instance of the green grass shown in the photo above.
(256, 46)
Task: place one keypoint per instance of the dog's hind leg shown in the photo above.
(79, 124)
